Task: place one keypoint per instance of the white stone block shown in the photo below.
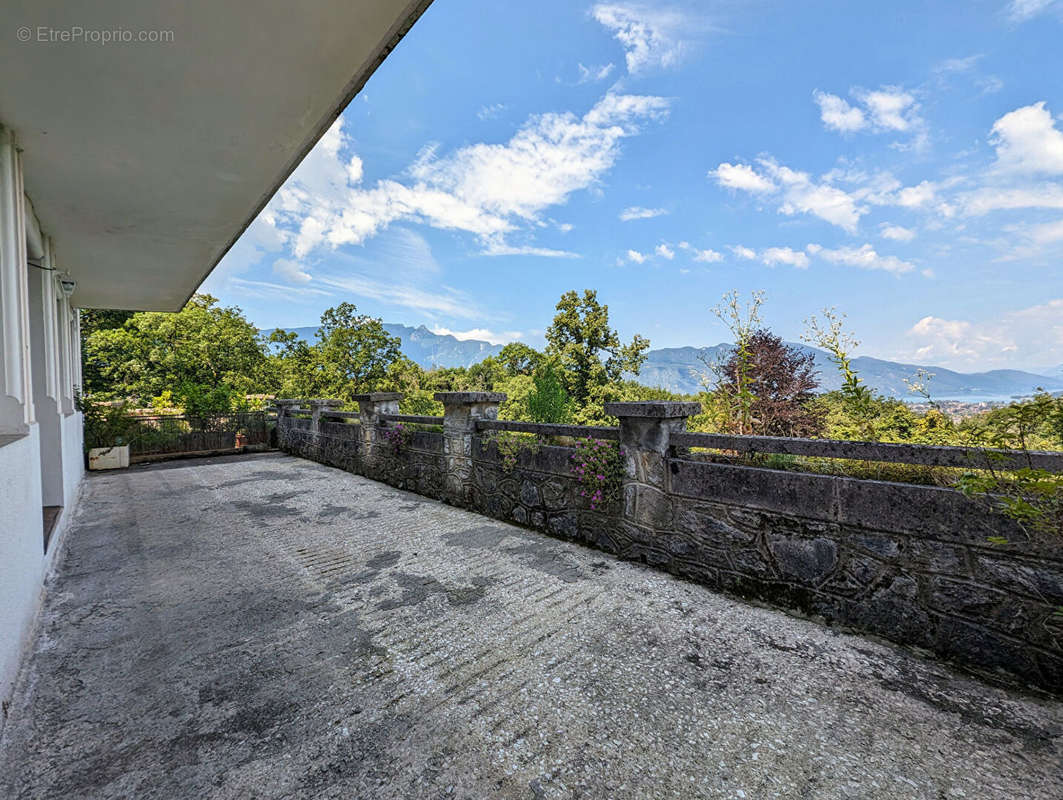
(109, 457)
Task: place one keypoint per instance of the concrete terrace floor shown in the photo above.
(266, 627)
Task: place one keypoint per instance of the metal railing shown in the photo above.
(182, 433)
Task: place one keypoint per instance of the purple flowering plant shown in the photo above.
(396, 437)
(598, 467)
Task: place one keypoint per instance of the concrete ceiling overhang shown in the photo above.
(145, 161)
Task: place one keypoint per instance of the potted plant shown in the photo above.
(108, 429)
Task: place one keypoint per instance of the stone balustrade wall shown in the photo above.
(913, 564)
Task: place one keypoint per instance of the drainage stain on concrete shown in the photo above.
(388, 558)
(256, 509)
(532, 550)
(416, 589)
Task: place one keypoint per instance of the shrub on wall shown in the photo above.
(510, 444)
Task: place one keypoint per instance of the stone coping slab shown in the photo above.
(655, 410)
(377, 397)
(454, 398)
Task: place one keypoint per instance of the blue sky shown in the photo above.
(901, 163)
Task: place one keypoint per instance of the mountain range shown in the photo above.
(680, 369)
(426, 348)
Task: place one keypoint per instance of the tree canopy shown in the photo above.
(588, 352)
(201, 350)
(352, 353)
(208, 358)
(781, 380)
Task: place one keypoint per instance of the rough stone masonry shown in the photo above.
(268, 627)
(916, 565)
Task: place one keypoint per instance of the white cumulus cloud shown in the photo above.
(919, 196)
(290, 271)
(638, 212)
(864, 257)
(837, 114)
(888, 109)
(897, 233)
(707, 256)
(483, 334)
(987, 199)
(803, 195)
(488, 190)
(784, 255)
(1025, 338)
(1028, 141)
(652, 37)
(799, 194)
(741, 176)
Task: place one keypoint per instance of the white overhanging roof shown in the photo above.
(146, 160)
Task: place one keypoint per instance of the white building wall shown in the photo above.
(16, 405)
(22, 561)
(72, 435)
(44, 368)
(41, 460)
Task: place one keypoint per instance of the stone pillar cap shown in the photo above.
(656, 409)
(377, 397)
(324, 401)
(455, 398)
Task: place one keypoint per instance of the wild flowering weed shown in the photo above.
(598, 466)
(396, 437)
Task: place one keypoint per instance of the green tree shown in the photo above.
(517, 390)
(293, 370)
(548, 400)
(588, 352)
(483, 375)
(859, 402)
(518, 358)
(352, 353)
(93, 320)
(733, 391)
(408, 377)
(1035, 423)
(202, 350)
(779, 380)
